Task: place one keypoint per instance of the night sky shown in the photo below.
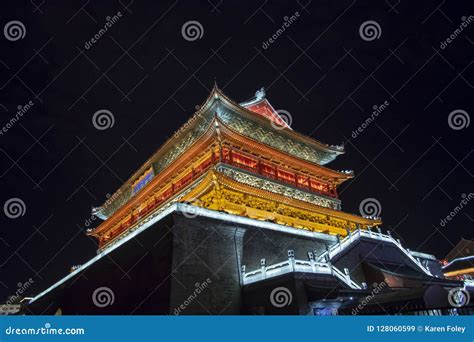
(414, 158)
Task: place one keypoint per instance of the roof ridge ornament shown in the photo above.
(260, 94)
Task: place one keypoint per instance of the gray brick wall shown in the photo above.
(205, 250)
(214, 249)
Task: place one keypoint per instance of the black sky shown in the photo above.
(142, 70)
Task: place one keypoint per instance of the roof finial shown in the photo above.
(260, 94)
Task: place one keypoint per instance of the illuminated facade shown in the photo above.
(242, 159)
(459, 263)
(238, 214)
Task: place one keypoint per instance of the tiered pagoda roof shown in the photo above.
(260, 105)
(231, 157)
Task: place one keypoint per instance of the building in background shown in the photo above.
(239, 214)
(9, 309)
(14, 305)
(459, 263)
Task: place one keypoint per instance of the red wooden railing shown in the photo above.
(156, 201)
(230, 157)
(272, 171)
